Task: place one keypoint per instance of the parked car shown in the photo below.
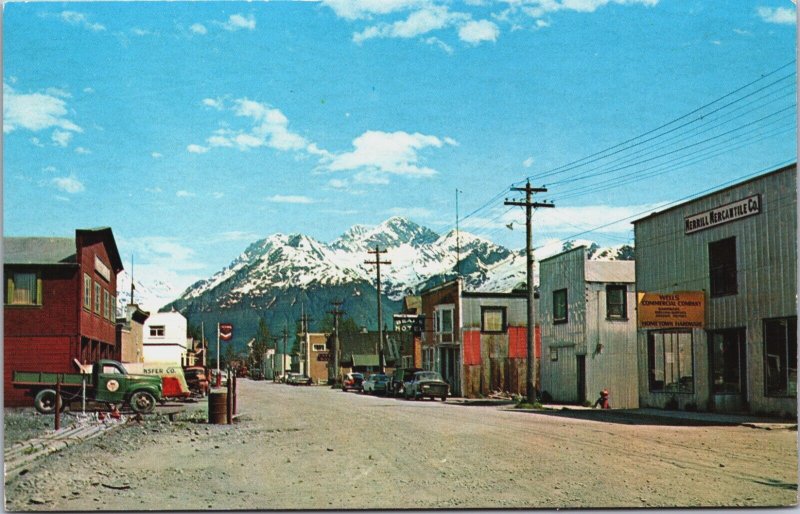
(400, 377)
(297, 379)
(352, 381)
(256, 374)
(426, 383)
(196, 380)
(376, 383)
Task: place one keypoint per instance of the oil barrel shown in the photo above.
(218, 407)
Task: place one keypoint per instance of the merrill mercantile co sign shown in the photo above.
(724, 214)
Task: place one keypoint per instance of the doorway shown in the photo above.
(581, 369)
(728, 369)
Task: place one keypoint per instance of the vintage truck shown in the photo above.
(109, 382)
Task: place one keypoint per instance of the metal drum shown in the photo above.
(218, 407)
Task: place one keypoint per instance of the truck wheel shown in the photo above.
(142, 402)
(45, 401)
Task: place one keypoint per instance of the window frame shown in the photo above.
(788, 333)
(152, 328)
(98, 300)
(556, 294)
(728, 335)
(317, 347)
(651, 361)
(11, 288)
(485, 309)
(87, 292)
(106, 304)
(439, 310)
(624, 314)
(722, 268)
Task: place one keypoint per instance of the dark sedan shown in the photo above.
(426, 383)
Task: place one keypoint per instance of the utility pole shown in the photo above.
(203, 341)
(336, 314)
(283, 357)
(274, 356)
(458, 239)
(377, 252)
(304, 320)
(529, 204)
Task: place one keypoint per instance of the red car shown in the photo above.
(353, 381)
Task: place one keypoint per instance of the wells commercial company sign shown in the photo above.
(726, 213)
(685, 309)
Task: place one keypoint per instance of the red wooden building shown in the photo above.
(59, 304)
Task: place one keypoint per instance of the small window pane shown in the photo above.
(24, 289)
(87, 291)
(560, 305)
(615, 302)
(97, 299)
(493, 319)
(722, 267)
(780, 361)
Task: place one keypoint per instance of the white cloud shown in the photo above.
(476, 32)
(154, 190)
(418, 22)
(386, 152)
(80, 20)
(136, 31)
(215, 103)
(163, 260)
(69, 184)
(61, 137)
(83, 151)
(88, 90)
(49, 169)
(528, 162)
(338, 183)
(779, 15)
(35, 111)
(238, 22)
(184, 194)
(435, 41)
(372, 177)
(37, 142)
(56, 91)
(218, 195)
(156, 155)
(196, 149)
(198, 28)
(290, 199)
(237, 235)
(356, 9)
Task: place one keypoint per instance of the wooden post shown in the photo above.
(235, 392)
(58, 404)
(230, 398)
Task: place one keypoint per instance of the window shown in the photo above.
(113, 309)
(553, 354)
(97, 299)
(727, 361)
(23, 289)
(616, 302)
(560, 306)
(318, 347)
(722, 267)
(780, 357)
(87, 292)
(670, 362)
(157, 331)
(106, 304)
(444, 320)
(493, 320)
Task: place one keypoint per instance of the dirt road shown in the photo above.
(318, 448)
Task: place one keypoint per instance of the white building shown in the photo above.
(165, 338)
(588, 322)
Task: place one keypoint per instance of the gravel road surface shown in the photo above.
(301, 447)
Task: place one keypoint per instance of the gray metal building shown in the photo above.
(588, 323)
(736, 251)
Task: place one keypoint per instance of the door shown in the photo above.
(581, 369)
(728, 369)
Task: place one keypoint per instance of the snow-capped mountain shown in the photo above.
(149, 297)
(279, 276)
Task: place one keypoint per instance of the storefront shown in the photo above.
(717, 311)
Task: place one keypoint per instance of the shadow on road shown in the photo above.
(625, 418)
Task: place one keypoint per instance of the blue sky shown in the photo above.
(193, 129)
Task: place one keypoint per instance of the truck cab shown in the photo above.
(113, 384)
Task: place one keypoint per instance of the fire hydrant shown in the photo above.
(603, 400)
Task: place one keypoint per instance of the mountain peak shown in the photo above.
(393, 232)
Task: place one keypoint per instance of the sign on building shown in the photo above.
(726, 213)
(684, 309)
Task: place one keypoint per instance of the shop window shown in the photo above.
(318, 347)
(106, 304)
(727, 361)
(23, 289)
(560, 306)
(616, 302)
(493, 320)
(443, 323)
(157, 331)
(670, 362)
(87, 292)
(780, 357)
(722, 267)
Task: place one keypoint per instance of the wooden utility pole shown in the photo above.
(529, 204)
(336, 314)
(377, 262)
(458, 239)
(304, 320)
(274, 357)
(283, 357)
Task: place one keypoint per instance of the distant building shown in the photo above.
(718, 319)
(165, 338)
(588, 319)
(476, 340)
(360, 351)
(314, 357)
(59, 304)
(130, 334)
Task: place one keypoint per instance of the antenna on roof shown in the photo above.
(132, 286)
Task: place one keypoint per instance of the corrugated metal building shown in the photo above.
(736, 249)
(588, 321)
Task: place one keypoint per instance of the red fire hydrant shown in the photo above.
(603, 400)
